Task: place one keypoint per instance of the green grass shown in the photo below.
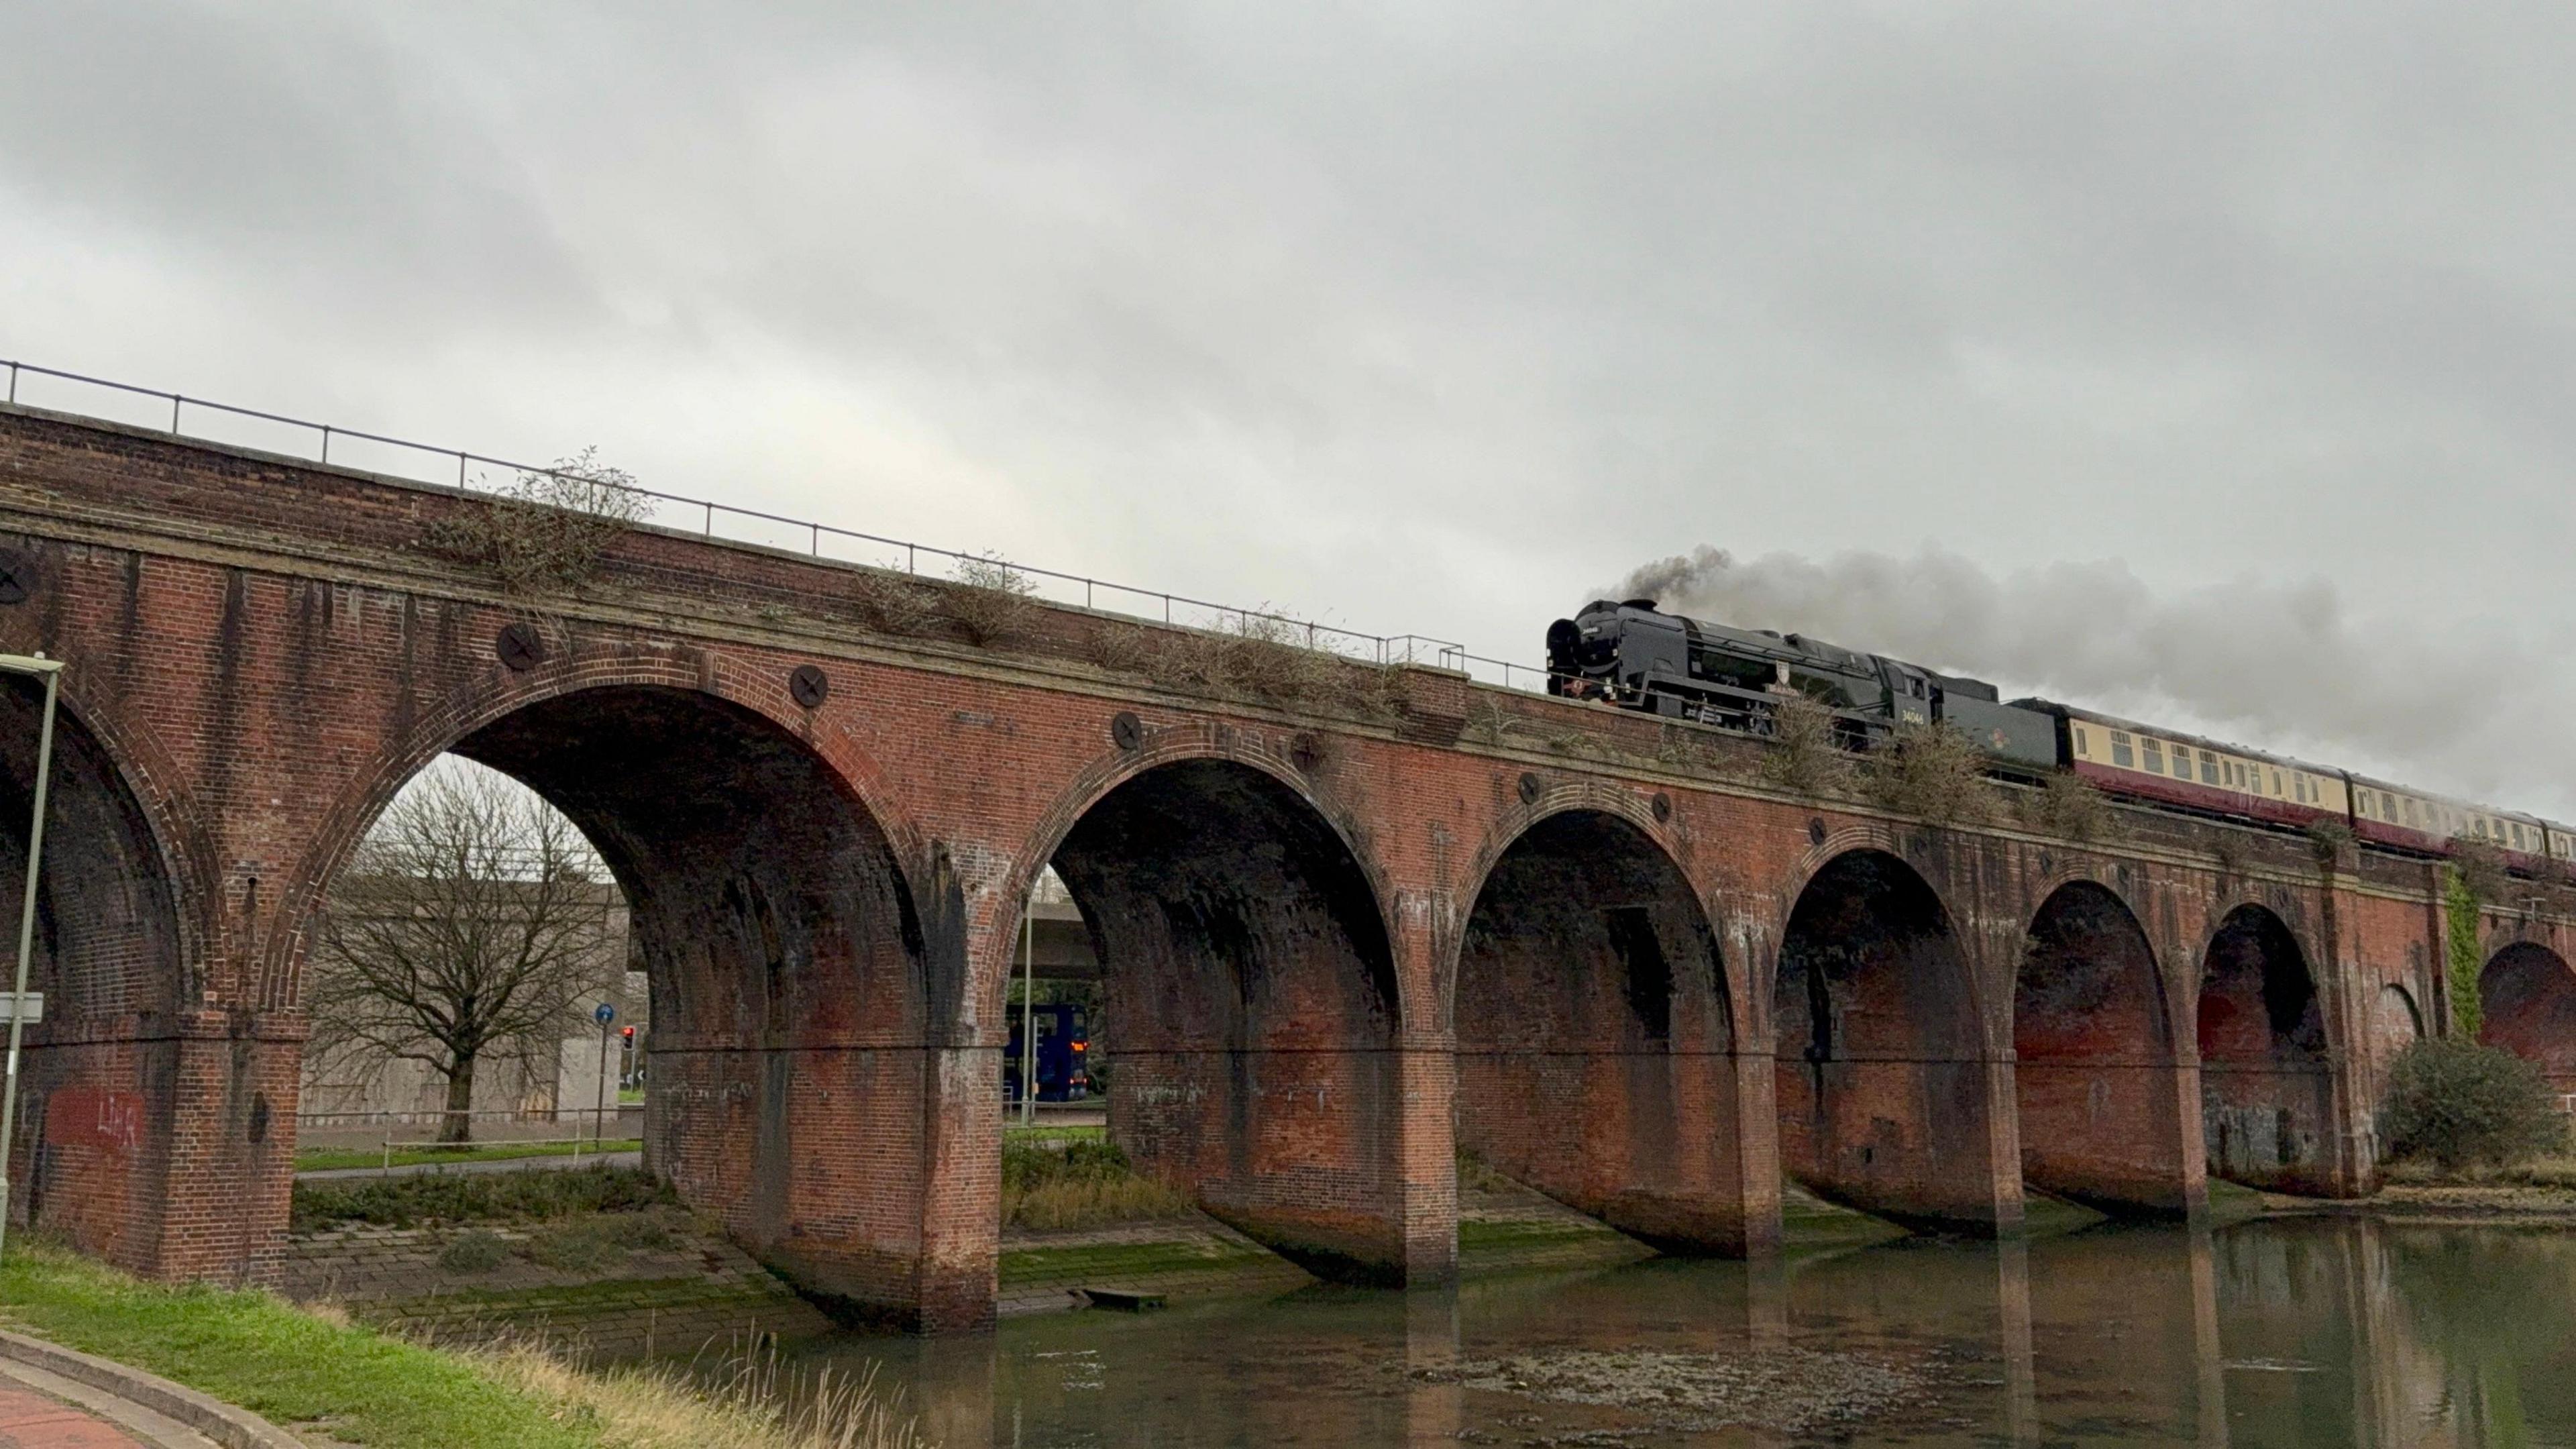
(253, 1350)
(484, 1197)
(1078, 1182)
(1125, 1260)
(1041, 1132)
(324, 1159)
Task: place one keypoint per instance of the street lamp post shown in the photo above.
(51, 671)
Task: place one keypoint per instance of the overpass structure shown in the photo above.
(1350, 917)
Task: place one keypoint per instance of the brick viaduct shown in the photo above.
(1341, 938)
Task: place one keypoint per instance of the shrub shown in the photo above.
(2329, 838)
(2071, 806)
(466, 1197)
(1806, 755)
(2459, 1105)
(1932, 772)
(894, 603)
(476, 1250)
(991, 600)
(547, 529)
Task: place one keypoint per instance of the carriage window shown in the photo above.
(2276, 784)
(2120, 749)
(2154, 751)
(2208, 768)
(2081, 747)
(2361, 801)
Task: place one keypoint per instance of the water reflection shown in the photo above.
(2293, 1333)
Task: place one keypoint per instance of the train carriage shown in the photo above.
(2397, 818)
(2170, 767)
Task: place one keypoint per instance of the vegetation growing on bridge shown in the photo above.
(2464, 960)
(992, 601)
(1934, 773)
(1804, 756)
(548, 529)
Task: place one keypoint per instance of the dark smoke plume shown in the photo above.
(2437, 704)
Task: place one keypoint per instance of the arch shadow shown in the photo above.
(2096, 1076)
(2266, 1089)
(1252, 1009)
(100, 1072)
(2528, 997)
(1596, 1062)
(1887, 1102)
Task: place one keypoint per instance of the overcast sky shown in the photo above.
(1431, 318)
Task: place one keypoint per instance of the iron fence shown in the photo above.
(210, 421)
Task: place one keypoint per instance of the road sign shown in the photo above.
(606, 1014)
(32, 1004)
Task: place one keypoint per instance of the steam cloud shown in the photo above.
(2440, 704)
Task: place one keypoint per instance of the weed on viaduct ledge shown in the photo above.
(1351, 918)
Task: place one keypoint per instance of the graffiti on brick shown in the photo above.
(93, 1117)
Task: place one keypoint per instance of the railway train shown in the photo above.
(1632, 654)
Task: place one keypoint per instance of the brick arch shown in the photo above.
(1253, 998)
(1596, 1054)
(1849, 838)
(501, 693)
(795, 962)
(118, 960)
(1880, 1064)
(1113, 767)
(1629, 806)
(2097, 1062)
(2265, 1049)
(2528, 995)
(183, 848)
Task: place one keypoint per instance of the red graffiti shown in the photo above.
(93, 1117)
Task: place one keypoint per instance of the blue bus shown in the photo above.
(1061, 1047)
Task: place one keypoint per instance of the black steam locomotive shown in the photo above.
(1635, 655)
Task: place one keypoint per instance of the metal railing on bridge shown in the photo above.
(353, 448)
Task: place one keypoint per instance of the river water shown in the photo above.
(2293, 1332)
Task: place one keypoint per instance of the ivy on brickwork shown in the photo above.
(2460, 912)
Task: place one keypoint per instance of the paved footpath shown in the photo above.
(39, 1410)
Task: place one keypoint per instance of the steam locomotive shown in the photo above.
(1633, 655)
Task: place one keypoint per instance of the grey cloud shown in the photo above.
(1407, 315)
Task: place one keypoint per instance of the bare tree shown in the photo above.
(473, 917)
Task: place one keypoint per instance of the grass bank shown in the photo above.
(1060, 1182)
(315, 1373)
(325, 1159)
